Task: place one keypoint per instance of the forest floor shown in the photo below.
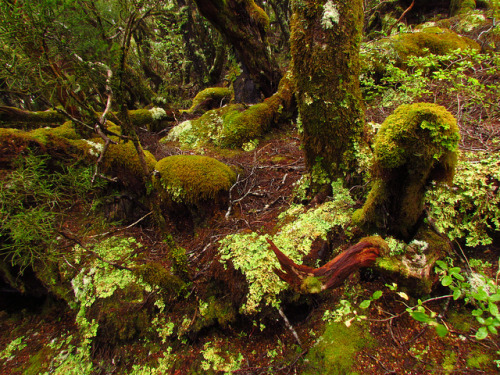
(395, 343)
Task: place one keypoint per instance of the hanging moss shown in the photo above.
(190, 179)
(121, 161)
(233, 125)
(325, 42)
(416, 144)
(210, 98)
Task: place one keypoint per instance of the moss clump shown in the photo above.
(212, 97)
(433, 40)
(233, 125)
(191, 179)
(121, 161)
(155, 274)
(335, 351)
(416, 144)
(461, 6)
(479, 360)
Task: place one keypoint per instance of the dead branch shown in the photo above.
(400, 18)
(333, 273)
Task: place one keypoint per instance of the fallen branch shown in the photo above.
(332, 274)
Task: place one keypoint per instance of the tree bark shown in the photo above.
(244, 25)
(325, 63)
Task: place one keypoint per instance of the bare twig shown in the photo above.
(289, 326)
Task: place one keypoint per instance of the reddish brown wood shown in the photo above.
(333, 273)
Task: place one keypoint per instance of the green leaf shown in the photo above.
(481, 295)
(377, 295)
(456, 294)
(447, 280)
(482, 333)
(442, 264)
(441, 330)
(493, 330)
(493, 308)
(420, 316)
(495, 297)
(477, 312)
(481, 320)
(365, 304)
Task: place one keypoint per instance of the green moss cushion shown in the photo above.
(192, 178)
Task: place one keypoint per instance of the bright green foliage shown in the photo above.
(477, 289)
(14, 345)
(335, 351)
(469, 209)
(210, 97)
(30, 196)
(250, 253)
(219, 360)
(192, 178)
(455, 74)
(416, 143)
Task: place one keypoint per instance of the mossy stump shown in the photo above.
(415, 145)
(191, 186)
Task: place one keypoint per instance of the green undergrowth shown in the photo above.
(250, 252)
(469, 208)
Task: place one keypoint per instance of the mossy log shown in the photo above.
(325, 43)
(332, 274)
(12, 114)
(415, 145)
(210, 98)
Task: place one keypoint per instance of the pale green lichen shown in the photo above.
(250, 253)
(157, 113)
(331, 15)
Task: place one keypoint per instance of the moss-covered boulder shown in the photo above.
(415, 144)
(233, 125)
(398, 48)
(335, 351)
(210, 98)
(461, 6)
(192, 179)
(121, 161)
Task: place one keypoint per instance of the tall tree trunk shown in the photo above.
(325, 63)
(244, 25)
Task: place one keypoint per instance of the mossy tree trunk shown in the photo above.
(245, 25)
(325, 63)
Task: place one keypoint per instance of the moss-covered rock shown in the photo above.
(335, 351)
(233, 125)
(376, 55)
(416, 144)
(210, 98)
(192, 179)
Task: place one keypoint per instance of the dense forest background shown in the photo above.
(249, 187)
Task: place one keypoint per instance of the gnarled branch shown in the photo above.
(332, 274)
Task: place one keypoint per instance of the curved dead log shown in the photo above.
(332, 274)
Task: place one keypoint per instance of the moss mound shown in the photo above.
(415, 144)
(335, 351)
(434, 40)
(121, 161)
(210, 98)
(192, 178)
